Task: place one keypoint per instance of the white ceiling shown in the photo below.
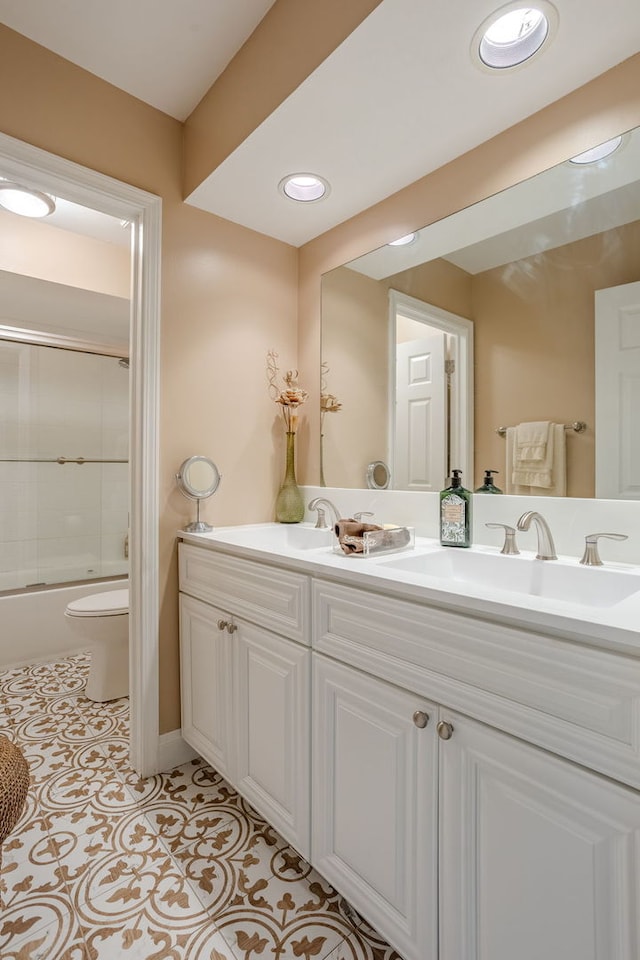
(397, 99)
(165, 52)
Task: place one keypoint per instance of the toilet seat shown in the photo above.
(111, 604)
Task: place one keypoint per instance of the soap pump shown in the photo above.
(455, 513)
(488, 486)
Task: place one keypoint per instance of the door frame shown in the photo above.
(461, 329)
(49, 173)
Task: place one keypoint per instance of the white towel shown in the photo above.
(532, 440)
(555, 483)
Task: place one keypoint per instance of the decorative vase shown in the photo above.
(289, 503)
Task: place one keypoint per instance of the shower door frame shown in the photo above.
(49, 173)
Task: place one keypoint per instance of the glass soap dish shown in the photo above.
(374, 542)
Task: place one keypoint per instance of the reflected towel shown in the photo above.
(532, 440)
(554, 470)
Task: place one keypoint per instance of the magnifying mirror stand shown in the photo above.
(198, 479)
(198, 525)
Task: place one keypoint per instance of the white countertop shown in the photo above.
(614, 627)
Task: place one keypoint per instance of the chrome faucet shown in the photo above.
(546, 546)
(320, 504)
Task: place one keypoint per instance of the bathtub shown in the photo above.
(34, 626)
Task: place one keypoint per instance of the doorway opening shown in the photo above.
(39, 170)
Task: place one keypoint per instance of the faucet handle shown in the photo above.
(362, 513)
(591, 557)
(509, 546)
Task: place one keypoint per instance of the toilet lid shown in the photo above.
(109, 604)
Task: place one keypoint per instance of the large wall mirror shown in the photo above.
(524, 307)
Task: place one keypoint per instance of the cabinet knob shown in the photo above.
(420, 718)
(445, 730)
(223, 624)
(231, 627)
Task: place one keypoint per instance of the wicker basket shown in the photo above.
(14, 783)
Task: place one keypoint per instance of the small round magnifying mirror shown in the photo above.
(198, 479)
(378, 475)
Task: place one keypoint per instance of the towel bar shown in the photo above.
(579, 426)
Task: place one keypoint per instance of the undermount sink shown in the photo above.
(548, 579)
(277, 536)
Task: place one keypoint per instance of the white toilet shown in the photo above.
(102, 621)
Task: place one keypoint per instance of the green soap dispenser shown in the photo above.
(455, 513)
(488, 486)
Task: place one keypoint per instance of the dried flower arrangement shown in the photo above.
(290, 396)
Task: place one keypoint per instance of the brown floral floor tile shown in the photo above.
(104, 864)
(42, 927)
(262, 895)
(149, 909)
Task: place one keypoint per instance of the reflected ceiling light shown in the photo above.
(598, 153)
(403, 241)
(26, 202)
(513, 34)
(304, 187)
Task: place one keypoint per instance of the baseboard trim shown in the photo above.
(173, 751)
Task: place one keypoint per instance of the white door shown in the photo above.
(420, 442)
(205, 682)
(618, 392)
(272, 721)
(374, 833)
(539, 858)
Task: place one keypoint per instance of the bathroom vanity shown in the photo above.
(460, 760)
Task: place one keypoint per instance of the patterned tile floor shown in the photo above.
(177, 867)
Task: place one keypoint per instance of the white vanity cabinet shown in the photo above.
(206, 683)
(245, 681)
(375, 802)
(539, 858)
(458, 840)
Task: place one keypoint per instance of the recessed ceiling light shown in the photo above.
(28, 203)
(513, 34)
(403, 241)
(598, 153)
(304, 187)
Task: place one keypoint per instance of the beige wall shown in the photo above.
(35, 248)
(594, 113)
(228, 295)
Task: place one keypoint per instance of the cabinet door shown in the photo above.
(539, 858)
(205, 682)
(272, 721)
(374, 805)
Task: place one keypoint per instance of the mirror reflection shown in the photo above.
(521, 310)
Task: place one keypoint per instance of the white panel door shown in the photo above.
(421, 414)
(206, 683)
(272, 720)
(539, 859)
(618, 392)
(375, 803)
